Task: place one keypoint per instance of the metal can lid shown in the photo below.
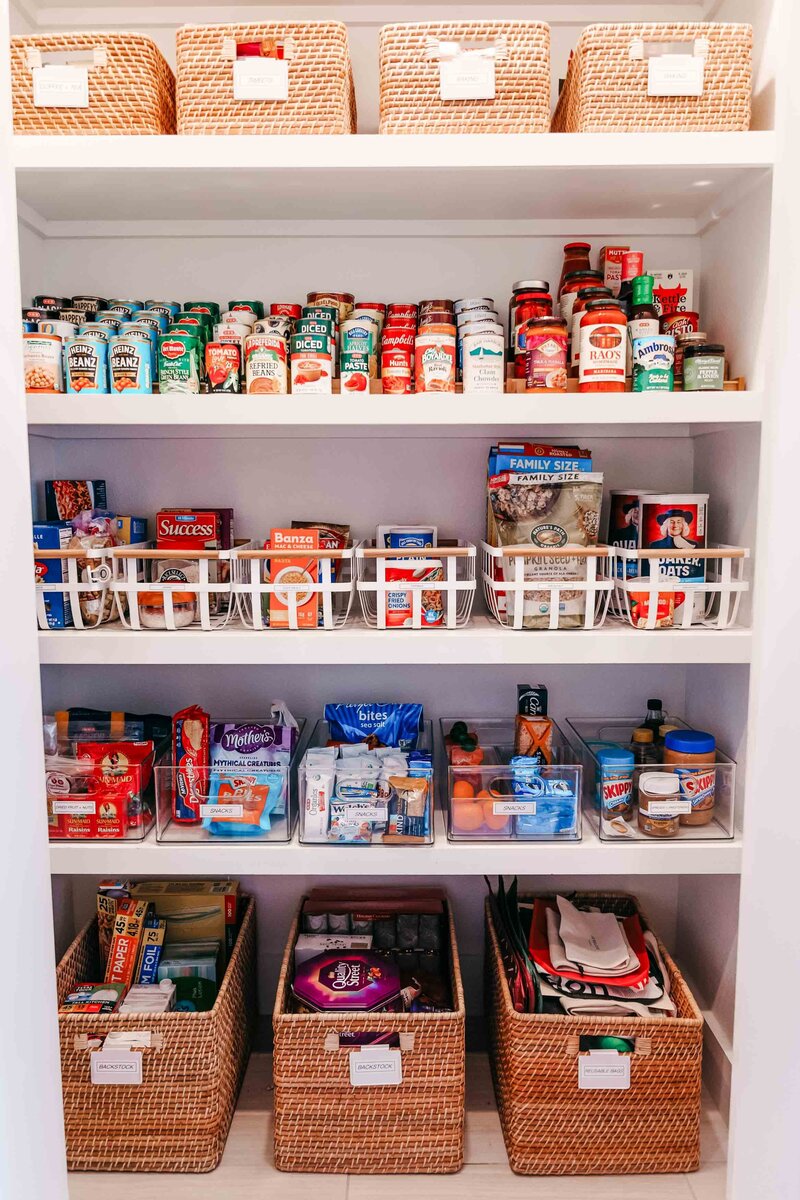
(531, 285)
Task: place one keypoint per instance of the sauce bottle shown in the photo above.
(632, 266)
(576, 258)
(581, 299)
(655, 717)
(643, 320)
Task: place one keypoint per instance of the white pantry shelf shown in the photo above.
(481, 643)
(89, 186)
(588, 857)
(463, 415)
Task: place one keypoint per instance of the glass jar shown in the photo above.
(682, 340)
(704, 368)
(573, 284)
(576, 258)
(527, 305)
(692, 755)
(580, 299)
(603, 346)
(152, 609)
(659, 798)
(545, 354)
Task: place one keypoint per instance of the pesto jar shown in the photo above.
(704, 368)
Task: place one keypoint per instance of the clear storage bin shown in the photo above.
(438, 593)
(649, 592)
(198, 596)
(611, 792)
(538, 803)
(304, 603)
(103, 799)
(380, 820)
(267, 794)
(565, 588)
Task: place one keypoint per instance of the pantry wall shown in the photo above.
(407, 231)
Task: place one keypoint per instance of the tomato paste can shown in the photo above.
(355, 371)
(223, 367)
(265, 364)
(86, 365)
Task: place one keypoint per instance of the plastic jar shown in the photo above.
(659, 795)
(615, 782)
(152, 612)
(580, 299)
(693, 754)
(546, 354)
(603, 347)
(528, 305)
(704, 368)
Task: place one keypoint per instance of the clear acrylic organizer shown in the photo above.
(317, 826)
(527, 589)
(226, 805)
(607, 783)
(84, 807)
(333, 587)
(540, 803)
(648, 594)
(443, 600)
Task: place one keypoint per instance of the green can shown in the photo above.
(203, 306)
(354, 371)
(253, 306)
(321, 310)
(204, 321)
(179, 359)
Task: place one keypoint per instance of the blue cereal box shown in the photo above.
(131, 530)
(53, 535)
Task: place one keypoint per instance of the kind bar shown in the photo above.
(65, 498)
(408, 816)
(190, 755)
(125, 941)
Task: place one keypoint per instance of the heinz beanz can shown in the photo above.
(130, 363)
(86, 365)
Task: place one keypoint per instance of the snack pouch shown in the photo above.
(252, 797)
(377, 724)
(249, 762)
(554, 808)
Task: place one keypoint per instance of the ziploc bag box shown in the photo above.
(195, 910)
(53, 535)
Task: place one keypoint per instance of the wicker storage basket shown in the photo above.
(553, 1128)
(410, 84)
(605, 90)
(178, 1118)
(321, 96)
(131, 87)
(324, 1124)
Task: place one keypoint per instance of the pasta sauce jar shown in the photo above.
(528, 305)
(603, 347)
(693, 755)
(546, 354)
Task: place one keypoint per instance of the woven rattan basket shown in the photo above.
(605, 90)
(324, 1124)
(131, 87)
(553, 1128)
(178, 1118)
(410, 83)
(321, 96)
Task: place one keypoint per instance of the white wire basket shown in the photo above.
(661, 599)
(438, 592)
(564, 587)
(87, 579)
(143, 602)
(330, 593)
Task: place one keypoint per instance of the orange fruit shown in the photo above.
(463, 789)
(497, 822)
(467, 816)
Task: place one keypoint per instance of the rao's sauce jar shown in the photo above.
(603, 347)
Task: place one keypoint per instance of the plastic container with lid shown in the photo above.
(704, 367)
(660, 804)
(615, 781)
(581, 298)
(545, 354)
(603, 347)
(576, 258)
(152, 609)
(693, 755)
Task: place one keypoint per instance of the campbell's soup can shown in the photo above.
(284, 309)
(405, 312)
(265, 364)
(256, 307)
(436, 306)
(343, 301)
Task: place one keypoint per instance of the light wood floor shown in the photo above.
(247, 1173)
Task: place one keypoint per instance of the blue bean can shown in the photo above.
(86, 365)
(130, 363)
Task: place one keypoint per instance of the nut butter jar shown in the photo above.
(692, 755)
(659, 801)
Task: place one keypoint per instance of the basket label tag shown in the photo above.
(60, 87)
(75, 808)
(604, 1070)
(511, 808)
(236, 811)
(375, 1066)
(116, 1066)
(260, 79)
(675, 75)
(466, 77)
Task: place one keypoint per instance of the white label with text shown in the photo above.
(75, 808)
(116, 1067)
(604, 1070)
(375, 1066)
(60, 87)
(675, 75)
(234, 811)
(510, 808)
(467, 78)
(260, 79)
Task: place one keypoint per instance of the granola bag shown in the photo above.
(532, 509)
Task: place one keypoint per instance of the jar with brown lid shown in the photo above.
(659, 799)
(692, 755)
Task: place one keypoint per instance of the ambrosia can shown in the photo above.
(86, 365)
(130, 363)
(653, 361)
(265, 363)
(223, 367)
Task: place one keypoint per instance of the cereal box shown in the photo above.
(53, 535)
(296, 569)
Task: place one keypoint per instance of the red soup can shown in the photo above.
(678, 323)
(295, 311)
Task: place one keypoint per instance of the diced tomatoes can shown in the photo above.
(312, 368)
(265, 364)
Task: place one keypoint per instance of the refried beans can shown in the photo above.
(265, 364)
